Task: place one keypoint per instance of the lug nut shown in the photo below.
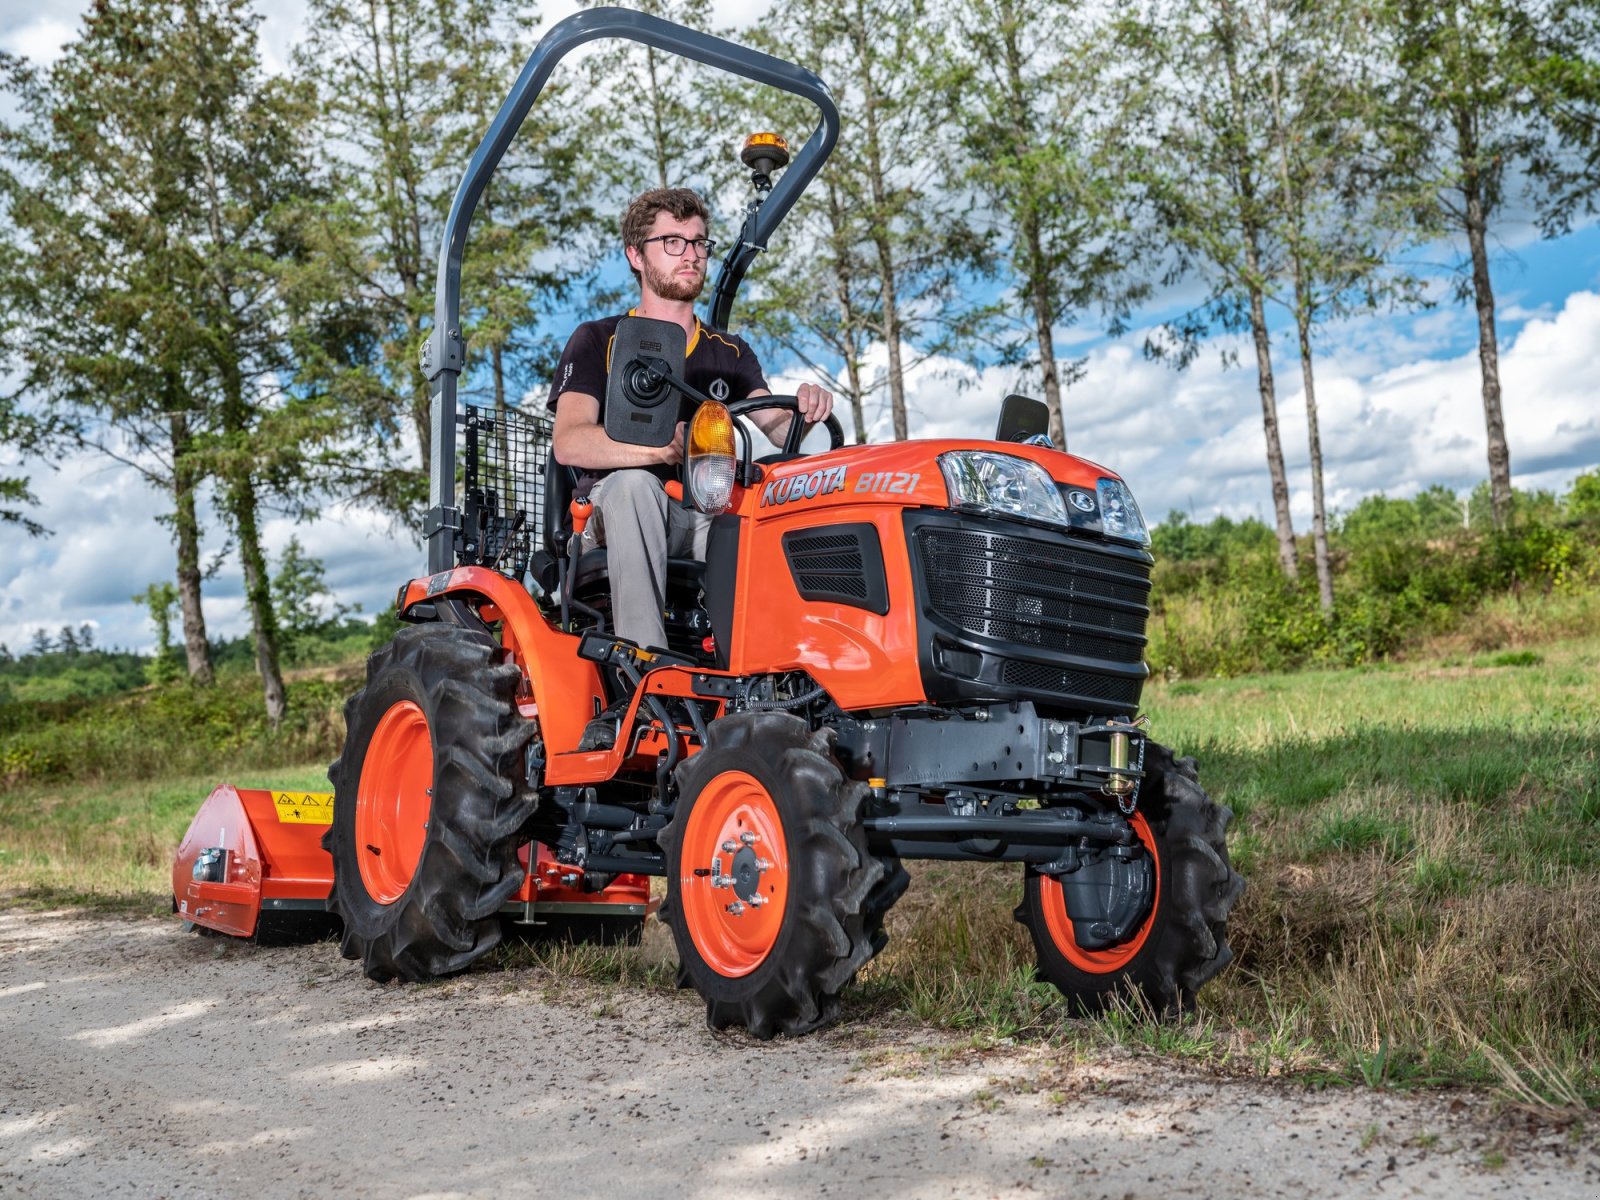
(730, 846)
(748, 838)
(735, 908)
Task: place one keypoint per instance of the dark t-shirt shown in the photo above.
(721, 365)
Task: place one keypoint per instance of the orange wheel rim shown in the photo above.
(733, 877)
(393, 801)
(1112, 958)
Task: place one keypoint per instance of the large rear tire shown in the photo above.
(1183, 941)
(769, 875)
(427, 816)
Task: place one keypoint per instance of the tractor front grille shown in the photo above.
(1012, 612)
(1037, 593)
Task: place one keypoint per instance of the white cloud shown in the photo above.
(1390, 421)
(42, 39)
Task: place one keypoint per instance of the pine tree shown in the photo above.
(165, 251)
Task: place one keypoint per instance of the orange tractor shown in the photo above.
(921, 650)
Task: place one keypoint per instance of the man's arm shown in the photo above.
(579, 440)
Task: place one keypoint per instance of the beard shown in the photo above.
(669, 285)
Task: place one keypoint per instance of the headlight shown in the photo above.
(1119, 515)
(1002, 483)
(709, 477)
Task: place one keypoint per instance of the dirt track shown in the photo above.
(139, 1061)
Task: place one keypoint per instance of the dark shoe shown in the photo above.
(601, 733)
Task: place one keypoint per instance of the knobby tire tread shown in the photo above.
(831, 929)
(448, 917)
(1188, 944)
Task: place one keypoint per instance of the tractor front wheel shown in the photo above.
(426, 813)
(1183, 940)
(769, 879)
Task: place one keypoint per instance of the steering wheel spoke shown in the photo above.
(797, 428)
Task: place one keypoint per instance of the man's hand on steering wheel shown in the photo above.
(815, 403)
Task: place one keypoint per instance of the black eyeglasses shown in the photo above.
(675, 244)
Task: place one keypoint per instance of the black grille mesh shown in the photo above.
(502, 459)
(1037, 593)
(827, 564)
(1035, 677)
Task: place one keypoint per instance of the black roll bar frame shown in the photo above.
(444, 353)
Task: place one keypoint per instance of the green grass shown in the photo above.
(1422, 844)
(109, 847)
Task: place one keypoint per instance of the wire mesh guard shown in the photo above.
(502, 452)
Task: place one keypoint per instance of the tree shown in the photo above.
(823, 302)
(159, 600)
(907, 226)
(1210, 171)
(20, 432)
(1295, 215)
(301, 600)
(91, 203)
(1044, 123)
(173, 171)
(537, 206)
(1484, 92)
(673, 131)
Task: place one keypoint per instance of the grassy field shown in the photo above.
(1421, 840)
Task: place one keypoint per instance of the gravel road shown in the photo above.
(136, 1060)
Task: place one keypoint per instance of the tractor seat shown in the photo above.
(683, 574)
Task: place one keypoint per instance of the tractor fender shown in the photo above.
(565, 688)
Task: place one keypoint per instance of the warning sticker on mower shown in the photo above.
(304, 808)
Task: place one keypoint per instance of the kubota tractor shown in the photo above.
(920, 650)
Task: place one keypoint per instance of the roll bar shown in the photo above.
(444, 353)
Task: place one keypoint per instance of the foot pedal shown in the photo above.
(611, 650)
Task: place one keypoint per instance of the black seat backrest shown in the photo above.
(558, 484)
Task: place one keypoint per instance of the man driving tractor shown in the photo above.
(664, 238)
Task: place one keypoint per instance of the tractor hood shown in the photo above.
(958, 474)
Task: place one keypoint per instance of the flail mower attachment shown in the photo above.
(252, 866)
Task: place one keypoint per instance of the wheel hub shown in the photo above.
(734, 879)
(393, 802)
(747, 871)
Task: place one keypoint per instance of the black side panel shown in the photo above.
(722, 566)
(841, 563)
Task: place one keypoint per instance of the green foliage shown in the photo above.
(1582, 503)
(306, 610)
(1179, 539)
(171, 727)
(162, 599)
(1405, 570)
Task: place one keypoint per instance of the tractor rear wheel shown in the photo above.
(426, 813)
(1183, 941)
(769, 875)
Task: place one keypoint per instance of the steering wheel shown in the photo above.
(797, 429)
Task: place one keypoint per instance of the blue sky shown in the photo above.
(1398, 395)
